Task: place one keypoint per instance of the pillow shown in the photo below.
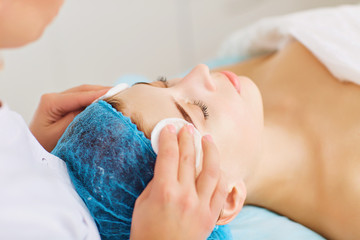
(255, 223)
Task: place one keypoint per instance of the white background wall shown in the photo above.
(97, 41)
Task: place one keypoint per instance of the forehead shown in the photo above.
(151, 103)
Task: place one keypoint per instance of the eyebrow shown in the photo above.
(182, 111)
(138, 83)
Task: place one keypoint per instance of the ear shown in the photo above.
(233, 204)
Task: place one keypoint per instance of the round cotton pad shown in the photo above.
(178, 123)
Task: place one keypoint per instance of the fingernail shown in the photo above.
(171, 128)
(190, 129)
(208, 137)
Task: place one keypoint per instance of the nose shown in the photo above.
(202, 73)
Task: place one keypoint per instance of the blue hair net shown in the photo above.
(110, 162)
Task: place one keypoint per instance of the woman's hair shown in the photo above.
(136, 118)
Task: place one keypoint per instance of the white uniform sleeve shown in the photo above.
(34, 202)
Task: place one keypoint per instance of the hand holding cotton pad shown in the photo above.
(178, 123)
(110, 162)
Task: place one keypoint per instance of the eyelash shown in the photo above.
(202, 105)
(163, 80)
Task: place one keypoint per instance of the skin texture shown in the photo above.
(310, 166)
(173, 186)
(235, 120)
(56, 111)
(23, 21)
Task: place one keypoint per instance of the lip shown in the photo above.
(234, 79)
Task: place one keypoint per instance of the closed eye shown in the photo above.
(203, 107)
(163, 82)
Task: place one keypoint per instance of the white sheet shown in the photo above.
(331, 34)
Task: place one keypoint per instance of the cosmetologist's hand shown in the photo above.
(176, 204)
(57, 110)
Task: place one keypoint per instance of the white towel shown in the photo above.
(331, 34)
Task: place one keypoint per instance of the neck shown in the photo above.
(287, 171)
(282, 162)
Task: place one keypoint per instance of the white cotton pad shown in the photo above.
(178, 123)
(115, 90)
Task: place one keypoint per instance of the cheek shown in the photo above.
(238, 135)
(251, 129)
(254, 102)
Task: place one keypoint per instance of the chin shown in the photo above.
(25, 34)
(35, 17)
(24, 40)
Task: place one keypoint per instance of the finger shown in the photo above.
(167, 161)
(64, 103)
(64, 122)
(187, 156)
(58, 129)
(210, 173)
(218, 198)
(86, 88)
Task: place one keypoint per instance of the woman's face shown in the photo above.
(23, 21)
(213, 104)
